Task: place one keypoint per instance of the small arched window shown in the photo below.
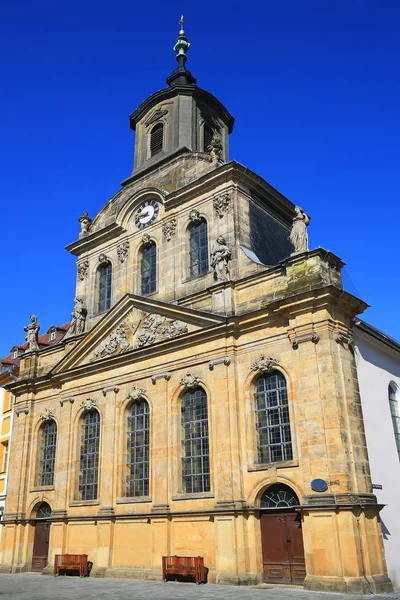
(156, 139)
(48, 444)
(195, 445)
(137, 480)
(207, 137)
(148, 269)
(43, 511)
(89, 456)
(395, 412)
(274, 442)
(198, 249)
(279, 496)
(104, 286)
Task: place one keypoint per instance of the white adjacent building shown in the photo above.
(378, 367)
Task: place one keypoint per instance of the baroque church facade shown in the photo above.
(204, 401)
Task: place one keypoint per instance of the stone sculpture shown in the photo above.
(115, 343)
(190, 381)
(215, 149)
(79, 313)
(83, 268)
(85, 222)
(32, 331)
(169, 229)
(298, 235)
(221, 204)
(123, 251)
(264, 364)
(220, 258)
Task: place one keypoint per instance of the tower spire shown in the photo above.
(181, 76)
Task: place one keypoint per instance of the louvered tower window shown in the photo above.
(89, 458)
(156, 139)
(195, 445)
(48, 453)
(274, 443)
(207, 137)
(104, 283)
(137, 481)
(149, 269)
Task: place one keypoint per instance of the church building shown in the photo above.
(204, 400)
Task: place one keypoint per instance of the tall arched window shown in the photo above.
(274, 442)
(89, 458)
(48, 443)
(104, 283)
(195, 446)
(207, 137)
(148, 269)
(198, 249)
(137, 481)
(395, 412)
(156, 139)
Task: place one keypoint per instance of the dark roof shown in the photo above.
(43, 340)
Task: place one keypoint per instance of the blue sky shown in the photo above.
(314, 87)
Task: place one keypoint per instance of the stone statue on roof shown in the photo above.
(298, 235)
(79, 312)
(32, 331)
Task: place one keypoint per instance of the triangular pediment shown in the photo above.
(135, 323)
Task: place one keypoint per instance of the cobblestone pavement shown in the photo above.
(38, 587)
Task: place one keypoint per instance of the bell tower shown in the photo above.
(180, 117)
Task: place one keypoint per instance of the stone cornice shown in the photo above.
(95, 239)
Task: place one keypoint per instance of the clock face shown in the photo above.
(146, 214)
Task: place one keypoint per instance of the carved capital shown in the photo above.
(47, 415)
(89, 404)
(136, 393)
(221, 204)
(190, 381)
(169, 229)
(194, 217)
(305, 337)
(111, 388)
(345, 339)
(264, 364)
(224, 360)
(71, 400)
(19, 410)
(155, 378)
(123, 251)
(83, 269)
(103, 258)
(146, 239)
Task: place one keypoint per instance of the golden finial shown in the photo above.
(181, 22)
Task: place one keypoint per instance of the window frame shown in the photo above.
(100, 304)
(394, 405)
(193, 273)
(203, 458)
(51, 449)
(287, 456)
(159, 126)
(153, 276)
(96, 468)
(4, 461)
(129, 463)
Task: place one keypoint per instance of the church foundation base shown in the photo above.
(379, 584)
(236, 578)
(128, 573)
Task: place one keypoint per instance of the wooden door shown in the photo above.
(40, 545)
(282, 548)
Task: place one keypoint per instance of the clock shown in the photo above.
(147, 213)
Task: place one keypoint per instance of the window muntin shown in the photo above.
(148, 269)
(156, 139)
(89, 458)
(47, 453)
(137, 480)
(195, 443)
(52, 335)
(43, 511)
(274, 443)
(198, 249)
(104, 284)
(279, 496)
(395, 412)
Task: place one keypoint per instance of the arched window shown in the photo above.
(274, 443)
(395, 412)
(279, 496)
(156, 139)
(137, 481)
(148, 269)
(195, 447)
(198, 249)
(89, 458)
(104, 283)
(43, 511)
(47, 453)
(207, 137)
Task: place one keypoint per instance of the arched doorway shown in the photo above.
(281, 536)
(41, 539)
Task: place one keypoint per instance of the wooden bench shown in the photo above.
(190, 566)
(71, 562)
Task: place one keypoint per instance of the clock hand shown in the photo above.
(143, 214)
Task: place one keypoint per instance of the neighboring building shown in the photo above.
(204, 400)
(378, 368)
